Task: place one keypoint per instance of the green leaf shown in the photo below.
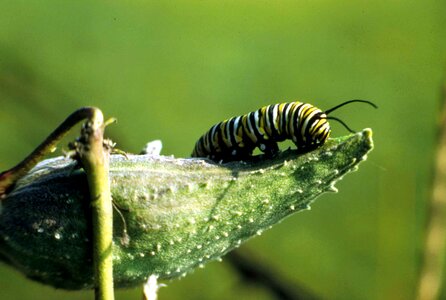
(179, 213)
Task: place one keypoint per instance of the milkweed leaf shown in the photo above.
(172, 215)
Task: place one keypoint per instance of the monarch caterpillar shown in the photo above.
(237, 137)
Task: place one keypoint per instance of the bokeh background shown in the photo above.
(170, 69)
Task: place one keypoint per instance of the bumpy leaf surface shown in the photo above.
(179, 213)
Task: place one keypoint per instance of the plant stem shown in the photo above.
(254, 271)
(95, 160)
(430, 279)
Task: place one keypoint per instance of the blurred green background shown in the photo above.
(170, 69)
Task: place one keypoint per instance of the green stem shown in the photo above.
(95, 161)
(430, 279)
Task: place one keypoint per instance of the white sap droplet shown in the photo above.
(57, 236)
(152, 148)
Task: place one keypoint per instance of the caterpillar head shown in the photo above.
(320, 130)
